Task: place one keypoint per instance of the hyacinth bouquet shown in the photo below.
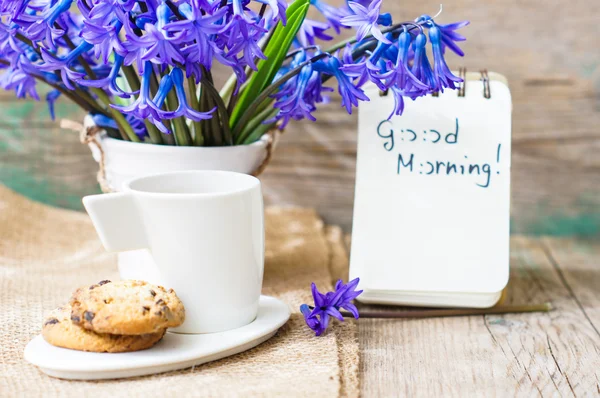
(143, 69)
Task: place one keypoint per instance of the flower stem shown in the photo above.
(83, 100)
(205, 124)
(154, 133)
(180, 130)
(299, 50)
(84, 95)
(25, 40)
(248, 135)
(353, 39)
(82, 61)
(228, 88)
(213, 122)
(260, 131)
(447, 312)
(134, 84)
(232, 102)
(179, 127)
(221, 108)
(132, 77)
(169, 139)
(193, 92)
(174, 10)
(254, 105)
(124, 126)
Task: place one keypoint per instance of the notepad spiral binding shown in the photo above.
(462, 73)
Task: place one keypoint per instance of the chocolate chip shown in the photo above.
(104, 282)
(146, 309)
(168, 312)
(51, 321)
(171, 291)
(160, 301)
(152, 292)
(159, 313)
(75, 318)
(88, 315)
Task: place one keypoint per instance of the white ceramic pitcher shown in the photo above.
(205, 231)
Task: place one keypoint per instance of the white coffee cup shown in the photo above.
(205, 230)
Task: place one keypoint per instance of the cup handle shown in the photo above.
(117, 221)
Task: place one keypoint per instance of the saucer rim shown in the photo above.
(274, 310)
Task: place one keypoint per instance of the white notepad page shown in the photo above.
(432, 200)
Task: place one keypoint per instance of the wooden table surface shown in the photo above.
(540, 354)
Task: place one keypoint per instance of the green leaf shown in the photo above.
(257, 103)
(275, 52)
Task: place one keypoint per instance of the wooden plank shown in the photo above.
(557, 353)
(560, 350)
(578, 265)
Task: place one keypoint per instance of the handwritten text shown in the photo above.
(411, 162)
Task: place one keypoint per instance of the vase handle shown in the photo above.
(117, 220)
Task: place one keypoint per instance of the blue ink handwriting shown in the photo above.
(386, 131)
(407, 161)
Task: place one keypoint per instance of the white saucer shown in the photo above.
(174, 351)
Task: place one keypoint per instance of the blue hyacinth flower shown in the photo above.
(366, 20)
(442, 74)
(333, 15)
(448, 34)
(350, 94)
(143, 107)
(183, 108)
(109, 81)
(421, 67)
(329, 305)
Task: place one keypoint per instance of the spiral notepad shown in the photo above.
(432, 200)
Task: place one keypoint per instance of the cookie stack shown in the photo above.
(114, 317)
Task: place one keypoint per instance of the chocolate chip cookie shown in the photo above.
(126, 307)
(58, 330)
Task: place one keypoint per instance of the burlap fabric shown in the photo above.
(46, 252)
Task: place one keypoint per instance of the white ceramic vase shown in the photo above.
(125, 160)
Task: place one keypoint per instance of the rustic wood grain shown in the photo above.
(581, 276)
(547, 51)
(546, 354)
